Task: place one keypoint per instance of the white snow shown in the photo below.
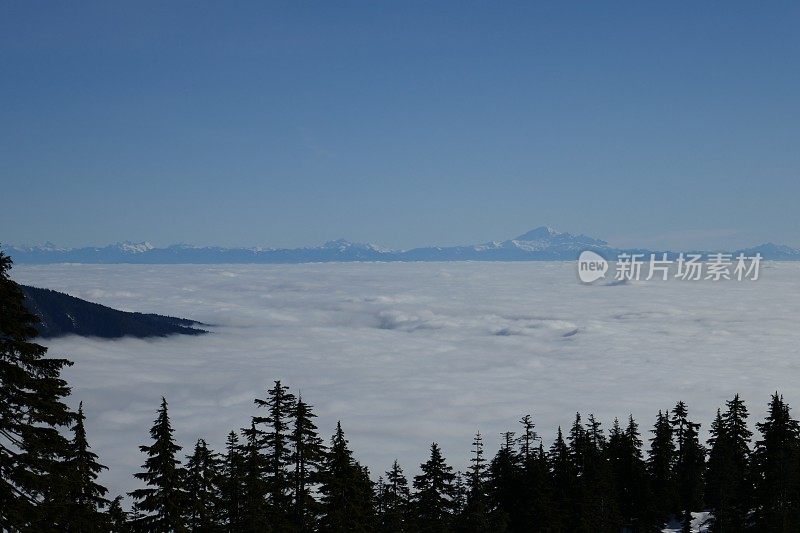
(135, 247)
(700, 524)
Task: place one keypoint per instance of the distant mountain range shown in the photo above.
(61, 314)
(541, 244)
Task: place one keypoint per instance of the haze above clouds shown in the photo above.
(404, 124)
(405, 354)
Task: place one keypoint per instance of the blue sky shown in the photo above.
(402, 123)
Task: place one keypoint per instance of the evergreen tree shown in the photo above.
(232, 484)
(162, 502)
(535, 507)
(624, 453)
(433, 500)
(380, 497)
(597, 505)
(254, 491)
(395, 502)
(85, 497)
(32, 412)
(460, 493)
(475, 516)
(527, 440)
(660, 464)
(564, 482)
(775, 458)
(719, 470)
(504, 484)
(582, 452)
(117, 517)
(346, 491)
(135, 518)
(578, 445)
(690, 464)
(203, 479)
(536, 511)
(739, 493)
(275, 442)
(728, 481)
(308, 454)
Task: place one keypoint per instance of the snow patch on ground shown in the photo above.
(700, 524)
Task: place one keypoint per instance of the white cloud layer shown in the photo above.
(405, 354)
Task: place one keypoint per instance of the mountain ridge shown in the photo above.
(539, 244)
(63, 314)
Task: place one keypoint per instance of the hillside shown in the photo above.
(62, 314)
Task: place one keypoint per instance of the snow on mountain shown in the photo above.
(545, 237)
(539, 234)
(769, 250)
(134, 247)
(46, 247)
(540, 244)
(343, 245)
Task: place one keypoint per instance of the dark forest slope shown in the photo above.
(62, 314)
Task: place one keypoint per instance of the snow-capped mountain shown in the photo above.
(540, 244)
(769, 250)
(134, 247)
(343, 245)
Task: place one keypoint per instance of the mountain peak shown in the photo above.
(344, 244)
(539, 234)
(772, 250)
(134, 247)
(338, 243)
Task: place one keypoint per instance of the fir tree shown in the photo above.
(308, 454)
(536, 511)
(433, 500)
(577, 444)
(163, 501)
(117, 517)
(624, 453)
(734, 500)
(564, 481)
(777, 498)
(527, 440)
(32, 412)
(580, 453)
(460, 493)
(85, 497)
(395, 501)
(203, 479)
(504, 480)
(275, 442)
(535, 508)
(475, 516)
(232, 484)
(254, 491)
(660, 463)
(728, 480)
(597, 506)
(346, 491)
(690, 464)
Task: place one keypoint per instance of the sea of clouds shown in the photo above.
(408, 353)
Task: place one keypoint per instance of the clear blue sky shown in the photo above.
(401, 123)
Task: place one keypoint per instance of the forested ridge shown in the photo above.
(61, 314)
(278, 473)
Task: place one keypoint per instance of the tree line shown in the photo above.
(278, 474)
